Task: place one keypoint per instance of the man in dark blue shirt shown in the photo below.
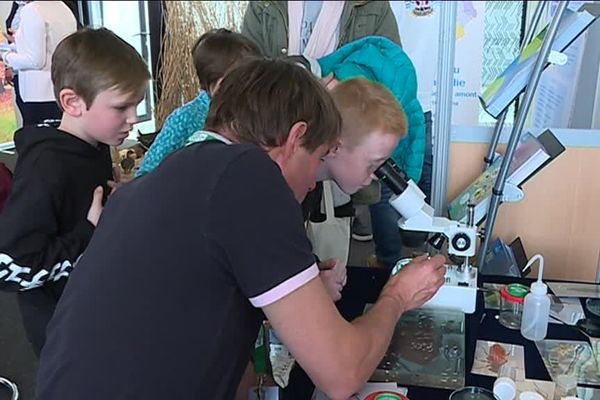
(167, 300)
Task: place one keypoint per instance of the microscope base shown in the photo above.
(457, 293)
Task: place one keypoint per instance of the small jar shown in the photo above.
(505, 387)
(511, 305)
(530, 396)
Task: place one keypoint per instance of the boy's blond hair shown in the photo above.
(90, 61)
(367, 107)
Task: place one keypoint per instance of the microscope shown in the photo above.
(460, 288)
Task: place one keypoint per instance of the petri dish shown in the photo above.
(472, 393)
(593, 306)
(385, 395)
(589, 326)
(399, 264)
(14, 391)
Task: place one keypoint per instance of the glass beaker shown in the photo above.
(511, 305)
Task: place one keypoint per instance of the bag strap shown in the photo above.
(328, 200)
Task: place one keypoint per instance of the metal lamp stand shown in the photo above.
(531, 87)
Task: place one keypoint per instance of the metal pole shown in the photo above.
(537, 15)
(536, 73)
(598, 268)
(443, 108)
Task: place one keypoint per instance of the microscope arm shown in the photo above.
(460, 288)
(417, 215)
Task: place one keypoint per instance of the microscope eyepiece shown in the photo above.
(390, 174)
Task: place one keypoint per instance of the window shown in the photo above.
(129, 20)
(8, 116)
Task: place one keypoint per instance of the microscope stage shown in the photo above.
(459, 292)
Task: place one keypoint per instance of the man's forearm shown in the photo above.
(374, 330)
(362, 346)
(339, 356)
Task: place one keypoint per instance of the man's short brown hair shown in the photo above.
(367, 107)
(260, 100)
(217, 51)
(90, 61)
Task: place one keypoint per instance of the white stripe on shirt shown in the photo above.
(285, 288)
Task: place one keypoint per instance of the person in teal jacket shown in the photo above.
(379, 59)
(214, 53)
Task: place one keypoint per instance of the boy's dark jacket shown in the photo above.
(44, 226)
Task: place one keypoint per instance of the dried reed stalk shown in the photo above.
(185, 21)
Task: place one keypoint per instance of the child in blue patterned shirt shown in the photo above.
(214, 53)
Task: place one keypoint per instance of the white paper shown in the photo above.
(490, 356)
(569, 289)
(570, 313)
(543, 388)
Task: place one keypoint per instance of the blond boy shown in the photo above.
(373, 123)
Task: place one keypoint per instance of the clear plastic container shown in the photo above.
(536, 311)
(536, 308)
(566, 385)
(511, 305)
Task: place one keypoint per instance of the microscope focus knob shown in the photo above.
(437, 241)
(461, 241)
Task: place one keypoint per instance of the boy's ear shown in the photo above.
(71, 102)
(335, 150)
(294, 140)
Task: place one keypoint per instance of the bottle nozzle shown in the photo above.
(539, 258)
(538, 287)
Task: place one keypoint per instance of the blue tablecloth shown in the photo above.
(364, 285)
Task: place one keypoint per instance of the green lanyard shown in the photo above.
(261, 358)
(205, 136)
(261, 350)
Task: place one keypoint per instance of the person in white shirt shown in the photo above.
(43, 24)
(12, 25)
(418, 23)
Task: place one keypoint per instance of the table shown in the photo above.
(364, 285)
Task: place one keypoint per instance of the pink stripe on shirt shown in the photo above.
(285, 288)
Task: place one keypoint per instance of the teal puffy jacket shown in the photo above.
(379, 59)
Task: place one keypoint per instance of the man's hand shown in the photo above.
(333, 275)
(9, 36)
(114, 185)
(416, 283)
(96, 208)
(8, 76)
(116, 173)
